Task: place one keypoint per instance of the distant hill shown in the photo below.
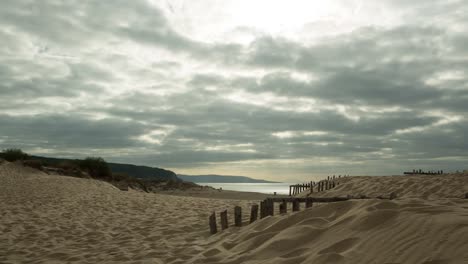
(144, 172)
(220, 179)
(140, 172)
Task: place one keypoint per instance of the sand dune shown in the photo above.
(57, 219)
(417, 186)
(358, 231)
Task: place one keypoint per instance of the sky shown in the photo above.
(280, 90)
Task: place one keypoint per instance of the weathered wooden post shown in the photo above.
(283, 207)
(262, 209)
(254, 213)
(213, 227)
(224, 220)
(238, 216)
(311, 187)
(290, 190)
(270, 207)
(308, 202)
(295, 205)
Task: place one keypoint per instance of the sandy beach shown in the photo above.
(58, 219)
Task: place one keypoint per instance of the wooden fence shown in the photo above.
(323, 185)
(267, 208)
(421, 172)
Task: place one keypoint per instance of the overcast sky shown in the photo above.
(280, 90)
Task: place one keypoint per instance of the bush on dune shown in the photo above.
(97, 167)
(14, 155)
(36, 164)
(67, 165)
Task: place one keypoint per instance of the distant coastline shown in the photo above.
(212, 178)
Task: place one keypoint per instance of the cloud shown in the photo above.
(120, 80)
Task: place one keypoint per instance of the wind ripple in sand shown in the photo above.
(361, 231)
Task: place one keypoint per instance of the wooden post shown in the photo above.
(254, 213)
(311, 188)
(290, 190)
(283, 207)
(295, 204)
(224, 220)
(308, 202)
(269, 207)
(262, 209)
(238, 216)
(213, 228)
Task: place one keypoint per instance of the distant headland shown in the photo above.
(212, 178)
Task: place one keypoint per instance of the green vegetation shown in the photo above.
(96, 167)
(123, 176)
(13, 155)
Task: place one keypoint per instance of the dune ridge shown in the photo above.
(356, 231)
(409, 186)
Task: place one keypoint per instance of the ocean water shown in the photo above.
(269, 188)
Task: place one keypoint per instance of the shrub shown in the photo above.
(96, 167)
(36, 164)
(67, 165)
(121, 177)
(14, 155)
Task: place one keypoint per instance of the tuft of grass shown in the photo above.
(14, 154)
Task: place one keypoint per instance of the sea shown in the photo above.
(268, 188)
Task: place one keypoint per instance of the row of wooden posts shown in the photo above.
(322, 185)
(421, 172)
(267, 208)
